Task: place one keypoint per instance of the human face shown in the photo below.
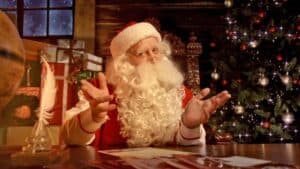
(146, 50)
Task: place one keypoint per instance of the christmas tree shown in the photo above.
(258, 63)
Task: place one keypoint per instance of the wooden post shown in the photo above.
(194, 50)
(84, 25)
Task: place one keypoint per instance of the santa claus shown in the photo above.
(141, 101)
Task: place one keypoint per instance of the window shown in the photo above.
(41, 18)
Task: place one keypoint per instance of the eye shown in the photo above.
(155, 50)
(140, 54)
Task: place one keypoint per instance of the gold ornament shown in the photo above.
(253, 43)
(215, 75)
(263, 81)
(288, 117)
(286, 79)
(239, 109)
(228, 3)
(266, 124)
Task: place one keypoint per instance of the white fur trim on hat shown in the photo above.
(130, 36)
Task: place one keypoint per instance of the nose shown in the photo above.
(152, 58)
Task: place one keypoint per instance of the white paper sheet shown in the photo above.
(240, 161)
(146, 153)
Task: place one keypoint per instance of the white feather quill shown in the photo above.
(48, 96)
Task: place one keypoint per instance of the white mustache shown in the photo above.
(163, 72)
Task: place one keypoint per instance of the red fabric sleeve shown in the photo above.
(108, 136)
(96, 141)
(188, 96)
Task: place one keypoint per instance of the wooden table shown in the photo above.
(280, 153)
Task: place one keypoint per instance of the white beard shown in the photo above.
(149, 99)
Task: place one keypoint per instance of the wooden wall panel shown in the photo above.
(84, 23)
(33, 48)
(179, 17)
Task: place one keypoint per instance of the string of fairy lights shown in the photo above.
(252, 27)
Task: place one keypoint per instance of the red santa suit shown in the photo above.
(80, 129)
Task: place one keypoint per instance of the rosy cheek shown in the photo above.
(140, 61)
(136, 61)
(159, 56)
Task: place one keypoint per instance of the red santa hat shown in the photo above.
(130, 36)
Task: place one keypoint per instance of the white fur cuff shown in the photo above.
(186, 136)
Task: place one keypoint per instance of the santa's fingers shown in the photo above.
(221, 98)
(104, 108)
(97, 99)
(87, 84)
(204, 116)
(100, 111)
(203, 93)
(223, 93)
(102, 81)
(89, 89)
(98, 117)
(101, 99)
(212, 104)
(208, 106)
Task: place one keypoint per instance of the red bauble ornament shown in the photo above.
(257, 20)
(298, 27)
(279, 57)
(243, 46)
(266, 124)
(224, 82)
(272, 29)
(239, 81)
(212, 44)
(261, 13)
(295, 81)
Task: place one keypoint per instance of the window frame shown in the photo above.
(20, 10)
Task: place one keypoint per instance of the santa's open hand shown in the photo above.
(198, 111)
(98, 98)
